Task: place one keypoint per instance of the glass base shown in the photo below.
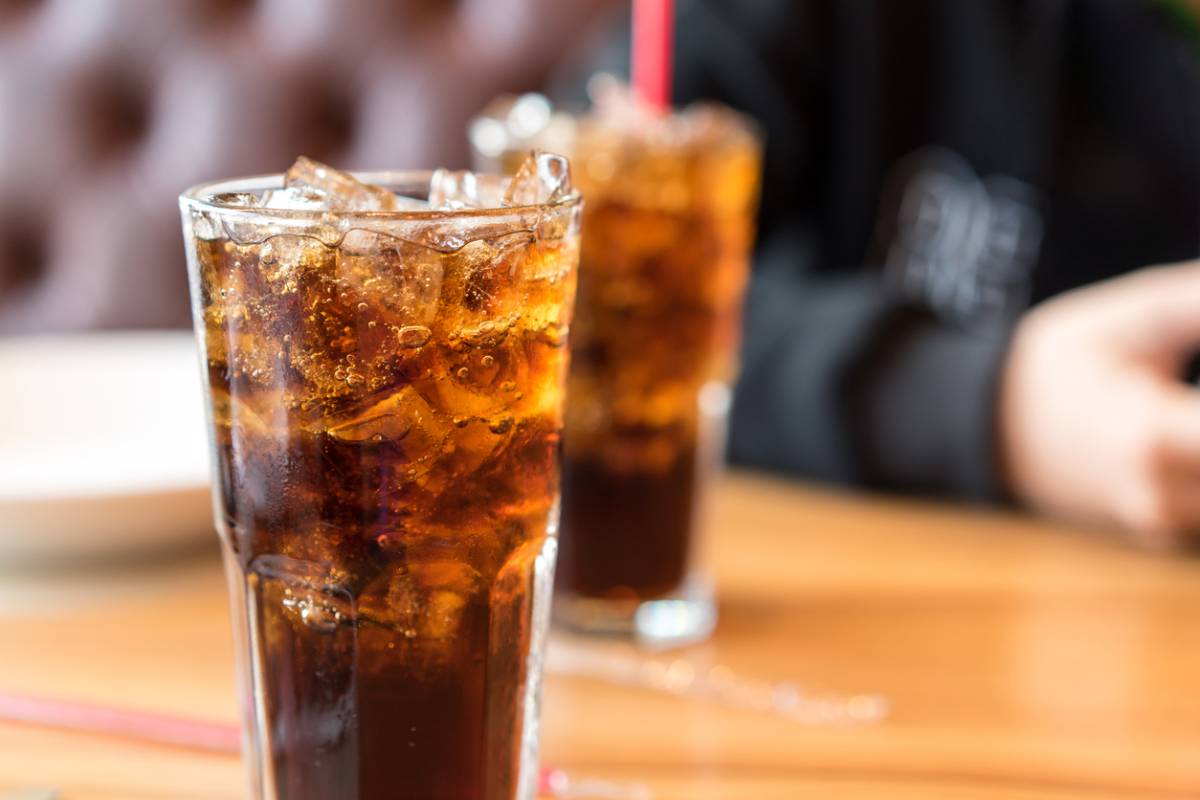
(685, 616)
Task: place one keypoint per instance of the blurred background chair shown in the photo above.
(109, 108)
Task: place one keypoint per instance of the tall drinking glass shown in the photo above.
(667, 234)
(385, 381)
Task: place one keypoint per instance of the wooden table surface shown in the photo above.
(1019, 659)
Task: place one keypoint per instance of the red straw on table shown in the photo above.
(125, 723)
(653, 36)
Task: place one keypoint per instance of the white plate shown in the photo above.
(102, 445)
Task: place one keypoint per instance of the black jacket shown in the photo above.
(934, 167)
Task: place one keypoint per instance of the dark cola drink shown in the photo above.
(667, 234)
(385, 367)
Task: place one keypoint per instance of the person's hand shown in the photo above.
(1094, 420)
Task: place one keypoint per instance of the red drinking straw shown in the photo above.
(125, 723)
(653, 23)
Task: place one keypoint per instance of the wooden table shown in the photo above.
(1021, 660)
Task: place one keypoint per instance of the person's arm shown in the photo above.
(843, 382)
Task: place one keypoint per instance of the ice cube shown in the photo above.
(476, 441)
(399, 277)
(541, 178)
(615, 102)
(307, 592)
(393, 601)
(451, 190)
(424, 600)
(368, 306)
(402, 416)
(309, 180)
(281, 258)
(295, 198)
(449, 587)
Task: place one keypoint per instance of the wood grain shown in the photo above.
(1021, 660)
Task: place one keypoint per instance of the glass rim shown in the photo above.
(742, 126)
(199, 197)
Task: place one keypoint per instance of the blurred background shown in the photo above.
(111, 107)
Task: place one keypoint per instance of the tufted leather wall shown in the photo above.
(108, 108)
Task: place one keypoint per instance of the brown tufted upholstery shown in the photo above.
(108, 108)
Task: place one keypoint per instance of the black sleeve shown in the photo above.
(842, 382)
(841, 379)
